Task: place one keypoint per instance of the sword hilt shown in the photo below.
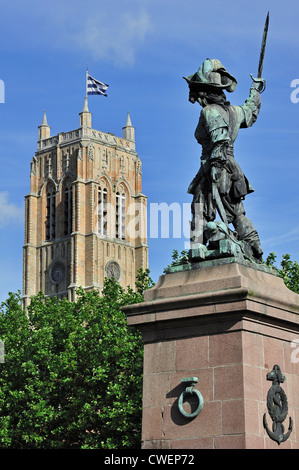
(261, 81)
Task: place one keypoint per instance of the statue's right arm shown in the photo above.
(251, 107)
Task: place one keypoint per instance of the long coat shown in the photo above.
(217, 131)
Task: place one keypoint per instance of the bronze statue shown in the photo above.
(220, 183)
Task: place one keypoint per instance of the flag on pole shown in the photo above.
(94, 87)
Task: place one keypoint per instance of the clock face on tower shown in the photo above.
(57, 272)
(112, 269)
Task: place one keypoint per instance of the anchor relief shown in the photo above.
(277, 405)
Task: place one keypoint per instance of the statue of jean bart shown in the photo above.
(220, 185)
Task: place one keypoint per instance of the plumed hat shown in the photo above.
(211, 73)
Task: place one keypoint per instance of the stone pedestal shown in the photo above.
(227, 325)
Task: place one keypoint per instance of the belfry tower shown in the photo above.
(85, 215)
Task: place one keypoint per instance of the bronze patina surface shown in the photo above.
(220, 186)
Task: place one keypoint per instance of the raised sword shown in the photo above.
(262, 55)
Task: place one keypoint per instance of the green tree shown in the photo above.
(72, 375)
(176, 258)
(288, 271)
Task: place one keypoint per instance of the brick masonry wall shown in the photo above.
(88, 158)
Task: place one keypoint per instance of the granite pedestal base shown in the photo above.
(227, 325)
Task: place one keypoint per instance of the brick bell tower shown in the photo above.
(85, 215)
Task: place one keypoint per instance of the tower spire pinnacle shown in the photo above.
(129, 130)
(44, 129)
(85, 107)
(85, 115)
(128, 123)
(44, 123)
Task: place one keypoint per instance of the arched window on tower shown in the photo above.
(102, 212)
(120, 222)
(68, 207)
(51, 212)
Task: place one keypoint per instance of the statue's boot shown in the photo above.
(247, 232)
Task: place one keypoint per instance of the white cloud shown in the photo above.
(113, 30)
(9, 212)
(116, 37)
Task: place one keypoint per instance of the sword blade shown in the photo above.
(219, 205)
(263, 47)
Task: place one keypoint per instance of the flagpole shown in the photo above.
(86, 91)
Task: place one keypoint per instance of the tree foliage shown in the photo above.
(176, 258)
(72, 375)
(288, 271)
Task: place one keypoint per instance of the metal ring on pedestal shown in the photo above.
(190, 391)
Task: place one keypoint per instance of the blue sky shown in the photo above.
(142, 49)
